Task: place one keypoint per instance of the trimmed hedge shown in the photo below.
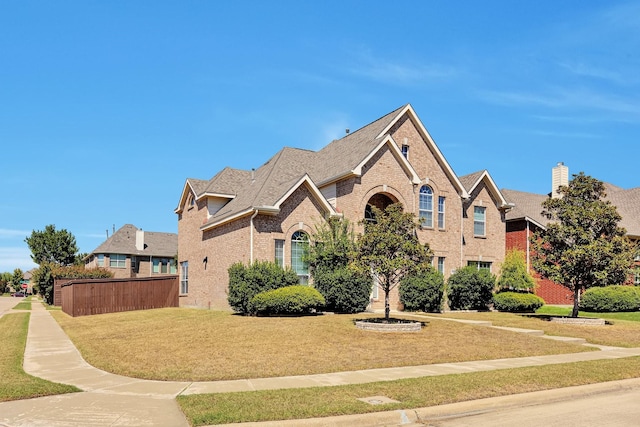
(344, 290)
(611, 299)
(297, 299)
(470, 289)
(517, 302)
(245, 282)
(423, 292)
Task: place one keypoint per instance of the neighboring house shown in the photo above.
(526, 218)
(268, 213)
(131, 252)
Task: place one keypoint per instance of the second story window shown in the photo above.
(426, 206)
(479, 221)
(405, 151)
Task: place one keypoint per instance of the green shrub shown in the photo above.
(611, 299)
(422, 292)
(517, 302)
(297, 299)
(470, 289)
(247, 281)
(345, 290)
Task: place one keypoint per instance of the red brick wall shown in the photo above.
(550, 292)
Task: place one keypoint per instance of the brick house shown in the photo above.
(131, 252)
(267, 213)
(526, 218)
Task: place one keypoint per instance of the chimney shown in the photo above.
(559, 177)
(140, 240)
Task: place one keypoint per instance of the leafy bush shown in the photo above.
(297, 299)
(345, 290)
(470, 289)
(247, 281)
(611, 299)
(517, 302)
(423, 292)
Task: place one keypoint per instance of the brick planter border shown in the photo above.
(578, 321)
(389, 327)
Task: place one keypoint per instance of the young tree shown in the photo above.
(390, 248)
(16, 279)
(51, 245)
(513, 273)
(5, 279)
(582, 246)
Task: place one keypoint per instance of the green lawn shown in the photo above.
(23, 305)
(552, 310)
(15, 383)
(271, 405)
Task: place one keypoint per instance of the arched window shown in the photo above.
(426, 206)
(299, 243)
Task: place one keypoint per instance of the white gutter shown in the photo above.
(528, 249)
(255, 213)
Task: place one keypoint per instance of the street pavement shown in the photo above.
(113, 400)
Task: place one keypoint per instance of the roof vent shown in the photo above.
(347, 131)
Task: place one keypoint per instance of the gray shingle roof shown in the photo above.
(627, 202)
(269, 183)
(469, 180)
(123, 241)
(527, 205)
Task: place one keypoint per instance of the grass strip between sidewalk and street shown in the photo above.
(15, 384)
(273, 405)
(23, 305)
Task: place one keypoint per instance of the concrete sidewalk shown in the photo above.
(114, 400)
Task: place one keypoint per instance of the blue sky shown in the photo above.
(107, 107)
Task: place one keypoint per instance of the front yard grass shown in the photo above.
(619, 333)
(14, 382)
(200, 345)
(271, 405)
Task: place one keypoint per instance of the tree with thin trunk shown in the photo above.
(582, 245)
(389, 248)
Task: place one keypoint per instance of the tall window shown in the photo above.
(441, 213)
(376, 285)
(441, 264)
(426, 206)
(184, 277)
(117, 260)
(100, 260)
(299, 242)
(405, 151)
(479, 221)
(279, 250)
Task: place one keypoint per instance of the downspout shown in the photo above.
(528, 246)
(255, 213)
(462, 235)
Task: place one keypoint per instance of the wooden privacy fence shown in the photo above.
(82, 297)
